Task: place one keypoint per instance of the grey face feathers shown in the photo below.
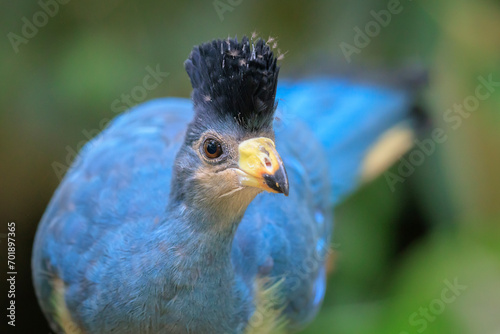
(234, 81)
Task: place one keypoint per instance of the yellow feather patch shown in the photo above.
(387, 150)
(268, 317)
(61, 315)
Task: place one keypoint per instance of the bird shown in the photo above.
(212, 214)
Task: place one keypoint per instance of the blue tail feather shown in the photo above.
(347, 118)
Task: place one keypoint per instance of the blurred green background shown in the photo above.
(397, 252)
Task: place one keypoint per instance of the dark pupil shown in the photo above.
(212, 147)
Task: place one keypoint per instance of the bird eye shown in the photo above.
(212, 148)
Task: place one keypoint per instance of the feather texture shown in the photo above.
(234, 81)
(118, 249)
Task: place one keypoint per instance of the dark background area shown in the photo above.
(397, 249)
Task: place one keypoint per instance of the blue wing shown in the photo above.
(121, 176)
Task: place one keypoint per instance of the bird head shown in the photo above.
(229, 149)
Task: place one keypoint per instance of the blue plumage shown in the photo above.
(118, 248)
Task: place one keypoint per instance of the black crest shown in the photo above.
(236, 80)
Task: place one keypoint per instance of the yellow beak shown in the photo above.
(260, 166)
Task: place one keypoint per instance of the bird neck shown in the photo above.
(198, 265)
(203, 234)
(200, 226)
(208, 226)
